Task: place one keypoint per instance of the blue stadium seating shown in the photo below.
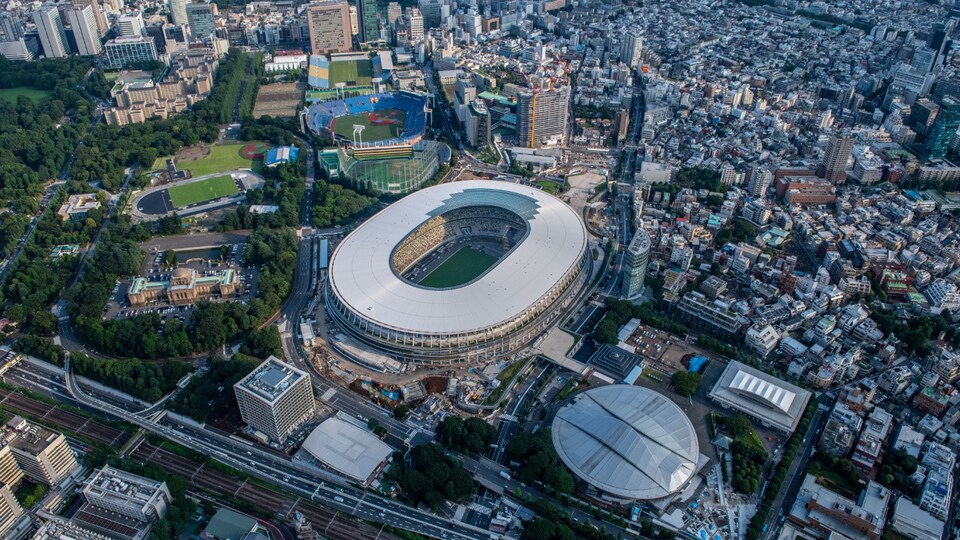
(321, 115)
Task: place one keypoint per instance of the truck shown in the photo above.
(338, 498)
(505, 475)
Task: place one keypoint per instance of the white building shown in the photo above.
(911, 521)
(655, 173)
(85, 31)
(943, 295)
(53, 39)
(762, 339)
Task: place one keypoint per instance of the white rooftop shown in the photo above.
(347, 449)
(774, 402)
(363, 276)
(627, 441)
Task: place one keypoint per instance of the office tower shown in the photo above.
(329, 27)
(50, 29)
(542, 116)
(275, 398)
(415, 24)
(943, 129)
(102, 25)
(478, 124)
(130, 50)
(200, 20)
(178, 11)
(635, 265)
(834, 164)
(85, 30)
(43, 455)
(632, 48)
(760, 180)
(394, 12)
(368, 20)
(10, 510)
(130, 25)
(12, 44)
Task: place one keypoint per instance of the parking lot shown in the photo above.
(205, 261)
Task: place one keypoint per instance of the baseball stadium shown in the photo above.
(443, 276)
(381, 139)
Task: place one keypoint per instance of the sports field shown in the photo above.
(221, 158)
(205, 190)
(11, 94)
(352, 72)
(378, 126)
(463, 266)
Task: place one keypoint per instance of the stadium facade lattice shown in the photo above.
(370, 296)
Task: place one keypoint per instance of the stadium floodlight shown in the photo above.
(358, 135)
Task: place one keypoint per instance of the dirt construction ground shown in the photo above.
(279, 100)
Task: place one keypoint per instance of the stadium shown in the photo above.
(627, 443)
(445, 275)
(389, 119)
(388, 153)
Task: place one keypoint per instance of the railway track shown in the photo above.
(66, 420)
(327, 523)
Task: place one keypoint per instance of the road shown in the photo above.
(508, 422)
(309, 482)
(795, 475)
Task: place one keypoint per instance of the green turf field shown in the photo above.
(462, 267)
(352, 72)
(205, 190)
(11, 94)
(343, 125)
(221, 158)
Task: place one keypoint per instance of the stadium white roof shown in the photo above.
(627, 441)
(362, 274)
(347, 449)
(774, 402)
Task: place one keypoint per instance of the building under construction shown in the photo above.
(542, 116)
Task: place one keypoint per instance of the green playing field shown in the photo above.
(462, 267)
(205, 190)
(343, 125)
(352, 72)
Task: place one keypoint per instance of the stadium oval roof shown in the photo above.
(628, 441)
(363, 277)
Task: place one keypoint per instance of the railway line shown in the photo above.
(327, 523)
(66, 420)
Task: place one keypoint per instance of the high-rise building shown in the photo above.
(329, 24)
(200, 20)
(275, 398)
(632, 49)
(635, 265)
(85, 31)
(102, 25)
(394, 12)
(50, 29)
(478, 124)
(834, 164)
(10, 510)
(414, 24)
(542, 116)
(130, 25)
(943, 129)
(760, 180)
(368, 20)
(44, 455)
(178, 11)
(130, 50)
(354, 24)
(13, 46)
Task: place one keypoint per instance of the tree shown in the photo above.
(685, 383)
(401, 411)
(170, 258)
